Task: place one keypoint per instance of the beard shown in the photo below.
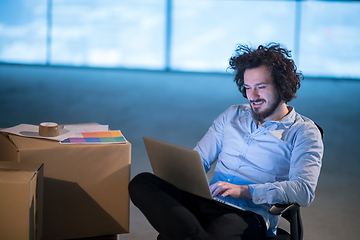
(261, 115)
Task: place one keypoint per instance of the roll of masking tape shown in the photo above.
(48, 129)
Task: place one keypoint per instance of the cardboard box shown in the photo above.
(85, 185)
(21, 200)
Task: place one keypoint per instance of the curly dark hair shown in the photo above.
(277, 58)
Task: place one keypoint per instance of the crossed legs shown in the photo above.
(176, 214)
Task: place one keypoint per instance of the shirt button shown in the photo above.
(229, 179)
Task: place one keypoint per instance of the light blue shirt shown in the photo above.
(279, 160)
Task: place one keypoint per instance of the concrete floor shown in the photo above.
(179, 108)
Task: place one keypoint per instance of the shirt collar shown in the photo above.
(290, 117)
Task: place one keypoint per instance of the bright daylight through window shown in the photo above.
(181, 35)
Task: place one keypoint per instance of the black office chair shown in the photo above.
(291, 212)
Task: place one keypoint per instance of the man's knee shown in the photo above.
(137, 185)
(140, 179)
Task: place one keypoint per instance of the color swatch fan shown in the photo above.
(95, 138)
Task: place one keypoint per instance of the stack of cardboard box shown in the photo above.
(85, 185)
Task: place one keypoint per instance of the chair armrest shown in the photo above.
(278, 209)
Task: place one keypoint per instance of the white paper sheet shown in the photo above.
(28, 130)
(87, 127)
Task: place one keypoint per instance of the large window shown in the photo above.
(108, 33)
(205, 33)
(23, 31)
(184, 35)
(330, 39)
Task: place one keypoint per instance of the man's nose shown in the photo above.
(253, 94)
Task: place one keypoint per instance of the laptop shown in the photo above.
(182, 167)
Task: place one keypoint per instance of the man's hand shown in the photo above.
(228, 189)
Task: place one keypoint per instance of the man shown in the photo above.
(266, 153)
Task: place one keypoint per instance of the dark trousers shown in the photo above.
(176, 214)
